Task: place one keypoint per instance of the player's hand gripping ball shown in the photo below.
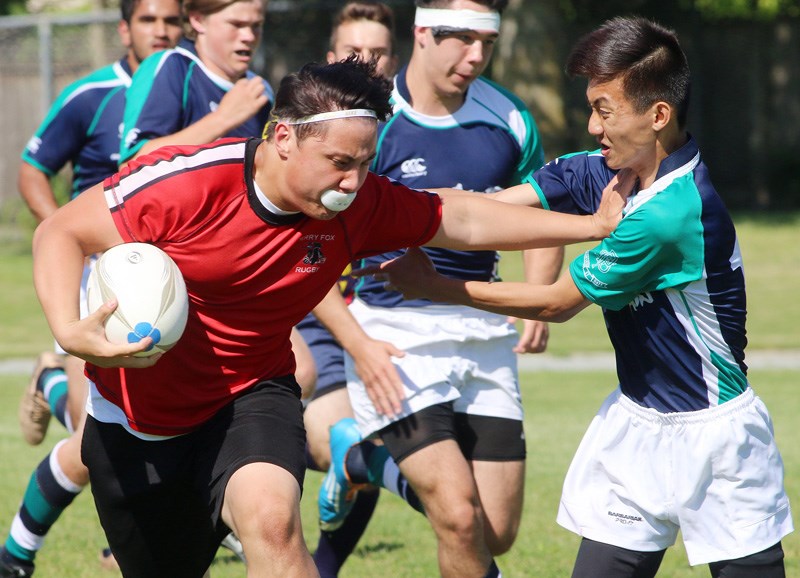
(150, 292)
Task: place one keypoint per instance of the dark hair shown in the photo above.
(316, 88)
(496, 5)
(128, 7)
(363, 10)
(647, 56)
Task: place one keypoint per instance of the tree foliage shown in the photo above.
(580, 11)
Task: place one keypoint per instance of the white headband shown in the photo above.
(459, 19)
(334, 114)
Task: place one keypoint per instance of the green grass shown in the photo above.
(398, 541)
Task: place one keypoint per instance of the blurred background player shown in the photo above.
(82, 128)
(203, 89)
(454, 423)
(366, 29)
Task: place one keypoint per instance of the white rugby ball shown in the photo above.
(150, 292)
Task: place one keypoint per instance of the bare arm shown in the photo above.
(240, 103)
(413, 274)
(472, 222)
(80, 228)
(542, 267)
(35, 188)
(372, 358)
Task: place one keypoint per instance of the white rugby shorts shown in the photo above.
(639, 476)
(452, 353)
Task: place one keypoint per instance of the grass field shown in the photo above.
(398, 542)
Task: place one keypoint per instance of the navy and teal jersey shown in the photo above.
(173, 89)
(669, 279)
(488, 144)
(83, 128)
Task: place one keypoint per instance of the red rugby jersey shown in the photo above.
(251, 275)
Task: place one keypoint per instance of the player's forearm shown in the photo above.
(57, 270)
(34, 188)
(334, 314)
(472, 223)
(206, 130)
(543, 266)
(522, 300)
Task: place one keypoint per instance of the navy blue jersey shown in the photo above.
(172, 90)
(669, 278)
(83, 127)
(490, 143)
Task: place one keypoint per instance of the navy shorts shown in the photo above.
(160, 501)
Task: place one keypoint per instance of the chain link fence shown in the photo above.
(44, 53)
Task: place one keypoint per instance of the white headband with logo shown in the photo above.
(458, 19)
(334, 114)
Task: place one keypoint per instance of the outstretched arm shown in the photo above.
(415, 277)
(470, 222)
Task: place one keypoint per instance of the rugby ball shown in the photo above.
(150, 292)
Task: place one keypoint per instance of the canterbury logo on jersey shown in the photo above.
(34, 144)
(131, 137)
(413, 168)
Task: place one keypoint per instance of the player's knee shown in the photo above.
(270, 523)
(500, 541)
(460, 520)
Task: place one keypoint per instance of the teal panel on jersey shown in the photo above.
(538, 190)
(657, 245)
(135, 99)
(731, 381)
(532, 153)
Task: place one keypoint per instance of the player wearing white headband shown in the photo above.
(453, 422)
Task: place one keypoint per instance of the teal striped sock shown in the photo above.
(53, 383)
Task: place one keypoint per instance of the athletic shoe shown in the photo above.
(337, 493)
(232, 543)
(12, 569)
(34, 411)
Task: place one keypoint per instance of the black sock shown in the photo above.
(334, 547)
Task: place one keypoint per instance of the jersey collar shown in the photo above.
(252, 196)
